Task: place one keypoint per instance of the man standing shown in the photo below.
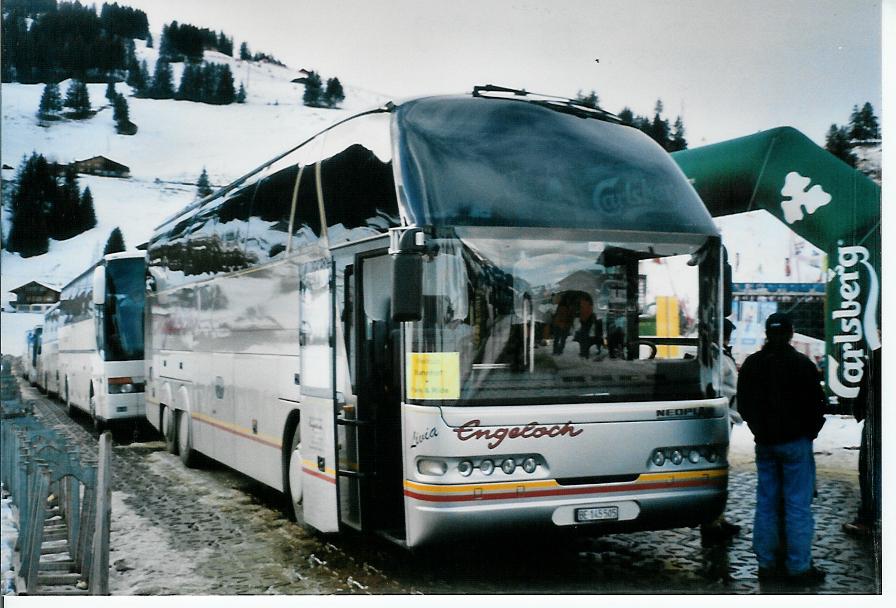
(780, 397)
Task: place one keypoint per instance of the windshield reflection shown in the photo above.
(571, 319)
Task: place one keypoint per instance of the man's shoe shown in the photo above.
(769, 575)
(810, 578)
(857, 528)
(729, 528)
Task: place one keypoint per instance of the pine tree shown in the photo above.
(591, 99)
(148, 40)
(162, 81)
(837, 143)
(115, 243)
(223, 92)
(63, 218)
(121, 115)
(333, 95)
(190, 88)
(78, 99)
(35, 189)
(627, 117)
(50, 101)
(137, 77)
(659, 128)
(110, 90)
(203, 188)
(87, 212)
(241, 94)
(313, 90)
(677, 141)
(863, 124)
(245, 55)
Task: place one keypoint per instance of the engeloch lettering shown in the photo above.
(472, 430)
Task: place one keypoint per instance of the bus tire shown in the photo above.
(188, 455)
(293, 489)
(169, 429)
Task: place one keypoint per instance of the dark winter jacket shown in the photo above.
(779, 394)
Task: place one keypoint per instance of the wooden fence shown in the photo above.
(63, 501)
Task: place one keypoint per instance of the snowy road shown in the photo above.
(212, 531)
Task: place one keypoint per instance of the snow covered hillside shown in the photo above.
(176, 139)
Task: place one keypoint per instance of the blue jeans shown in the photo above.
(786, 485)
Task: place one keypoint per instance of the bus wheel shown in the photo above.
(294, 478)
(169, 430)
(184, 442)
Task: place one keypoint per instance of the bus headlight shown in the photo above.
(676, 457)
(659, 459)
(428, 466)
(694, 456)
(529, 465)
(508, 466)
(486, 467)
(465, 467)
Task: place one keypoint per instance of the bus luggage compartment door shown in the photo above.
(318, 422)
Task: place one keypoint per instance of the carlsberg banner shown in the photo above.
(827, 202)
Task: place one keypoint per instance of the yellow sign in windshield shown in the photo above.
(433, 375)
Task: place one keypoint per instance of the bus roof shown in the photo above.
(500, 162)
(502, 159)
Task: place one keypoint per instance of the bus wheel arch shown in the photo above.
(292, 466)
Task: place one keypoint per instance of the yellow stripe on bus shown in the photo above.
(550, 483)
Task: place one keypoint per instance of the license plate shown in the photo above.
(597, 514)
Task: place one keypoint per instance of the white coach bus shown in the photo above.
(48, 360)
(426, 322)
(32, 352)
(100, 335)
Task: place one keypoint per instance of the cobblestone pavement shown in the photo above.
(213, 531)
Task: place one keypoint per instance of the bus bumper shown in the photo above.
(123, 406)
(433, 516)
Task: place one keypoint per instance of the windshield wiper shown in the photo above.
(552, 102)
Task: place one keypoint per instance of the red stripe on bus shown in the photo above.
(237, 433)
(319, 475)
(563, 491)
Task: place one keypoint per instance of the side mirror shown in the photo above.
(407, 286)
(99, 286)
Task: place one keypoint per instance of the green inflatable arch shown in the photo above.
(825, 201)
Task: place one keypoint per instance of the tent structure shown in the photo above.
(825, 201)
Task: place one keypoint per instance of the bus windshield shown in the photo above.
(124, 309)
(518, 316)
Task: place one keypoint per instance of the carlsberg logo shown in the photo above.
(854, 327)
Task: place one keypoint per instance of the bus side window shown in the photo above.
(232, 226)
(356, 177)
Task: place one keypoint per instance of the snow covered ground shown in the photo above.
(8, 535)
(836, 448)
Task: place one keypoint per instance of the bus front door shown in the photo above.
(378, 427)
(318, 421)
